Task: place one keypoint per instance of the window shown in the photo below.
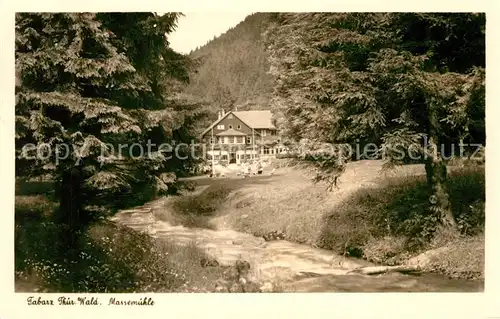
(226, 140)
(220, 127)
(211, 140)
(266, 150)
(230, 116)
(239, 127)
(235, 139)
(240, 140)
(219, 140)
(230, 126)
(263, 132)
(249, 140)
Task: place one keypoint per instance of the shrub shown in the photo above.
(399, 208)
(31, 187)
(189, 186)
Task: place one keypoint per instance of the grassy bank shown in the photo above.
(110, 258)
(378, 216)
(390, 223)
(197, 209)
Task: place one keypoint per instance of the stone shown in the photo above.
(237, 242)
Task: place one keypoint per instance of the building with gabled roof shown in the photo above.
(242, 136)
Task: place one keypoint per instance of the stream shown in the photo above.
(296, 267)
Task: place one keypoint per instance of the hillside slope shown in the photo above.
(233, 68)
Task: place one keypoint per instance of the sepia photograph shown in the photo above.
(248, 152)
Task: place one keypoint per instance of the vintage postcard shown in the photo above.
(181, 158)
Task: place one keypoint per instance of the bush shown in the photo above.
(399, 208)
(32, 207)
(189, 186)
(30, 187)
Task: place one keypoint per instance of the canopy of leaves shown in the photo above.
(370, 77)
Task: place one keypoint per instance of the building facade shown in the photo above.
(242, 136)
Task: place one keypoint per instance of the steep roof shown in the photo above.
(230, 132)
(254, 119)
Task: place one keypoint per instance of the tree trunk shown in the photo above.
(436, 172)
(70, 206)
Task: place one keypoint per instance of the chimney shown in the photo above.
(219, 115)
(223, 112)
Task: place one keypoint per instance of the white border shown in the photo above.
(340, 305)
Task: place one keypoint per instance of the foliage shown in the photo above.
(397, 80)
(399, 209)
(112, 259)
(89, 82)
(347, 77)
(109, 258)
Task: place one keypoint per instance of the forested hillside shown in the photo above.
(233, 68)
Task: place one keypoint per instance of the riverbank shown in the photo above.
(375, 214)
(283, 266)
(112, 258)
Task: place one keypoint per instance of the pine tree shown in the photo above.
(88, 82)
(393, 79)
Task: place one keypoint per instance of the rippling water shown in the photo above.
(296, 267)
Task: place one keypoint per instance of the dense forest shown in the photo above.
(233, 68)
